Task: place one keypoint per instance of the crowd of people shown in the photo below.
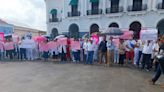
(107, 51)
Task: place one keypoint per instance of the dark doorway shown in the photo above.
(136, 28)
(160, 27)
(74, 31)
(114, 6)
(94, 28)
(114, 25)
(54, 33)
(137, 5)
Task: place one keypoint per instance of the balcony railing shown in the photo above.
(94, 12)
(114, 10)
(54, 20)
(160, 6)
(137, 8)
(73, 14)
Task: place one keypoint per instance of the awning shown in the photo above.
(53, 11)
(93, 1)
(74, 2)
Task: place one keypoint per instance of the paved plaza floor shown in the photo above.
(51, 77)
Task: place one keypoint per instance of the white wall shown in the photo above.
(146, 18)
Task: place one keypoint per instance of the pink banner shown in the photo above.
(52, 45)
(62, 41)
(75, 45)
(45, 47)
(127, 35)
(9, 46)
(95, 38)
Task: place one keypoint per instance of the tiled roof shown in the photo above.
(3, 22)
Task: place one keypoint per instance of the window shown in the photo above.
(114, 6)
(137, 5)
(74, 8)
(95, 5)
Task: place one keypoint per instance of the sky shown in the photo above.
(26, 13)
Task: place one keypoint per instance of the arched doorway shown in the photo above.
(94, 28)
(136, 28)
(160, 27)
(114, 25)
(74, 31)
(54, 33)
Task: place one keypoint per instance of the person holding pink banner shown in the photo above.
(9, 47)
(46, 51)
(76, 50)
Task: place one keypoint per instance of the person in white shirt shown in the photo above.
(85, 50)
(90, 52)
(147, 52)
(30, 45)
(63, 51)
(22, 49)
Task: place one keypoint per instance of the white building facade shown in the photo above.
(76, 17)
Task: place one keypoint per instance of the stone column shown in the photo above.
(104, 6)
(125, 5)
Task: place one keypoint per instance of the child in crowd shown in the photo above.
(9, 47)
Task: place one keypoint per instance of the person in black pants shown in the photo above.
(121, 52)
(161, 64)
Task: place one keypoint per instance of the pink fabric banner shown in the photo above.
(127, 35)
(45, 47)
(9, 46)
(75, 45)
(95, 38)
(52, 45)
(62, 41)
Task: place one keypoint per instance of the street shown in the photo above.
(68, 77)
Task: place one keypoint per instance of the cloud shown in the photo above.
(28, 13)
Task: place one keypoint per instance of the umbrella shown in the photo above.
(40, 38)
(127, 35)
(60, 36)
(112, 31)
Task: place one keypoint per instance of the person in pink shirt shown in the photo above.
(45, 49)
(9, 47)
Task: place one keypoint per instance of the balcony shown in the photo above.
(73, 14)
(94, 12)
(137, 8)
(54, 20)
(160, 6)
(114, 10)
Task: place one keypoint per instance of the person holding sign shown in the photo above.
(9, 47)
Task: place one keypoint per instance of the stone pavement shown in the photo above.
(51, 77)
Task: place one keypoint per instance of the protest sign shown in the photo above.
(62, 41)
(149, 34)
